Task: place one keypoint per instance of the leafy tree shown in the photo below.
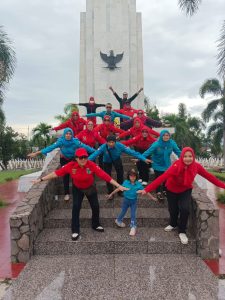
(151, 110)
(7, 61)
(7, 145)
(69, 108)
(215, 111)
(41, 134)
(188, 130)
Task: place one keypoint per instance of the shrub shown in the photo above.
(8, 179)
(221, 197)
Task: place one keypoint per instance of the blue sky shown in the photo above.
(179, 54)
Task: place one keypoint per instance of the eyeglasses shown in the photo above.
(140, 113)
(144, 131)
(106, 120)
(83, 157)
(108, 106)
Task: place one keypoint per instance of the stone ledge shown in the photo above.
(204, 221)
(28, 219)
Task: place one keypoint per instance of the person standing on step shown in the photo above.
(108, 112)
(67, 145)
(89, 136)
(129, 200)
(112, 151)
(91, 107)
(179, 179)
(147, 121)
(125, 97)
(160, 152)
(136, 130)
(141, 143)
(82, 172)
(76, 123)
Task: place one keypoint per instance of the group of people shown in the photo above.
(83, 141)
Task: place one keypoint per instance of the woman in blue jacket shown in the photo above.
(160, 152)
(67, 145)
(112, 151)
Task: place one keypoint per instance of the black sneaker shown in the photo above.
(99, 228)
(75, 236)
(160, 197)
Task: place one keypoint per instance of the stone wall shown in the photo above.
(28, 219)
(204, 222)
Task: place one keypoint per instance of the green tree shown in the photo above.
(41, 134)
(69, 108)
(215, 111)
(188, 130)
(7, 61)
(7, 145)
(151, 110)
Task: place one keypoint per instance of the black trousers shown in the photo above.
(143, 168)
(78, 196)
(66, 178)
(162, 187)
(119, 172)
(179, 204)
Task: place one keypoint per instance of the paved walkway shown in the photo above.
(144, 277)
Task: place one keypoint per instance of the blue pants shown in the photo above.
(133, 206)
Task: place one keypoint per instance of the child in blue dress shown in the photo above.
(129, 200)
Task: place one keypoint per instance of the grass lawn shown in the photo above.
(9, 175)
(219, 175)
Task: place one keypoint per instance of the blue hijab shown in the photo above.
(166, 146)
(63, 137)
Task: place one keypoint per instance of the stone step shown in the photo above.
(146, 217)
(143, 201)
(113, 241)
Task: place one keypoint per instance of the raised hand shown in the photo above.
(31, 155)
(148, 161)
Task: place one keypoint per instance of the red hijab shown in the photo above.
(188, 171)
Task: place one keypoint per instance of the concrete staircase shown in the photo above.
(152, 217)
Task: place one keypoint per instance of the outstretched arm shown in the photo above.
(33, 154)
(47, 177)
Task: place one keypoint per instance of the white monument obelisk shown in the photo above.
(111, 25)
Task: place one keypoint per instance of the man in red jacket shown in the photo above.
(127, 110)
(89, 136)
(76, 123)
(141, 143)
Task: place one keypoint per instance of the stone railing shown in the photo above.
(24, 164)
(204, 223)
(28, 219)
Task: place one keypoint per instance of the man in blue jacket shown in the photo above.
(108, 112)
(112, 151)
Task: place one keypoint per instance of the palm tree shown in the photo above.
(7, 61)
(69, 108)
(190, 7)
(41, 133)
(215, 110)
(188, 130)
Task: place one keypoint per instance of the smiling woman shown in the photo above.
(82, 172)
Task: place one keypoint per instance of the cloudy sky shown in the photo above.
(179, 54)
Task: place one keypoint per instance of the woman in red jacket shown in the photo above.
(90, 137)
(82, 172)
(76, 123)
(141, 143)
(179, 179)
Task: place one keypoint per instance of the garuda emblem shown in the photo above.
(111, 59)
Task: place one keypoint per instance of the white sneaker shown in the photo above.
(139, 180)
(144, 183)
(183, 238)
(75, 236)
(122, 225)
(67, 197)
(169, 228)
(133, 231)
